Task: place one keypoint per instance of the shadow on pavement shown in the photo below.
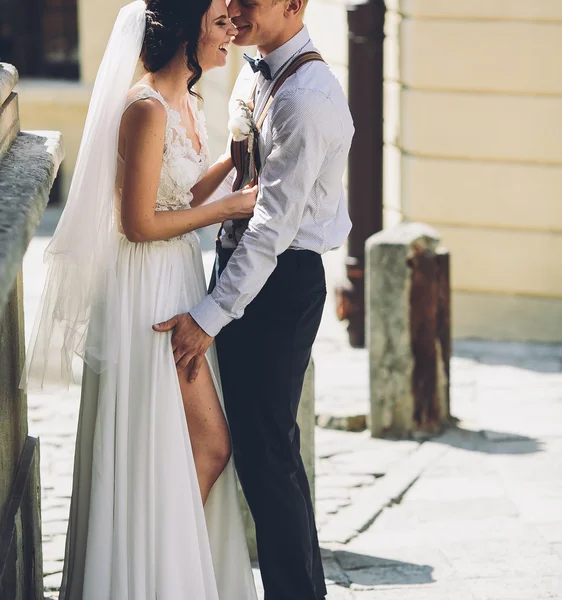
(347, 568)
(530, 356)
(489, 442)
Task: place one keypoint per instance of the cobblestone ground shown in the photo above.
(482, 522)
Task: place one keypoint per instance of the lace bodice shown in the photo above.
(182, 166)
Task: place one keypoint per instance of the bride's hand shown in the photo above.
(240, 205)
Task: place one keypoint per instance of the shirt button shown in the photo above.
(230, 236)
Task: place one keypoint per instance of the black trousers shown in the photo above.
(263, 358)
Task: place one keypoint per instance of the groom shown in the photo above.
(265, 307)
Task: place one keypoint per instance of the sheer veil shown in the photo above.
(81, 285)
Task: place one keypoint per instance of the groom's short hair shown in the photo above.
(304, 4)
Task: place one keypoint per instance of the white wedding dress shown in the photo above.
(138, 530)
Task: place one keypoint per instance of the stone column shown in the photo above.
(28, 165)
(306, 421)
(408, 331)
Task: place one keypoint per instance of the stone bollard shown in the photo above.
(28, 166)
(306, 420)
(408, 331)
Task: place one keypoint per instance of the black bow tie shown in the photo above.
(258, 64)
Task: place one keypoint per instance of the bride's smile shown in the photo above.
(217, 33)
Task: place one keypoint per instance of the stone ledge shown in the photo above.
(9, 123)
(8, 79)
(27, 172)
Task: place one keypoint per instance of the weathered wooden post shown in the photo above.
(28, 166)
(307, 422)
(408, 331)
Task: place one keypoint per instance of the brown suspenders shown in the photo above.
(239, 150)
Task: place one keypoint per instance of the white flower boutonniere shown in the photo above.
(242, 125)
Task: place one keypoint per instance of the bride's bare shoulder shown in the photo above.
(143, 109)
(143, 124)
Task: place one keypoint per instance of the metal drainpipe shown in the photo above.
(365, 92)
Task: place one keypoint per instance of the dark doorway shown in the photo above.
(40, 37)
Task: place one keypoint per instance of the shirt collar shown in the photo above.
(282, 55)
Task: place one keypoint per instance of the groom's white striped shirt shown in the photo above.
(304, 144)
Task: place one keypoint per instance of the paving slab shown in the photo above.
(336, 592)
(367, 506)
(433, 511)
(533, 587)
(551, 531)
(417, 592)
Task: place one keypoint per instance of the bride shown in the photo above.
(154, 511)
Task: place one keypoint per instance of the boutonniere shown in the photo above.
(242, 125)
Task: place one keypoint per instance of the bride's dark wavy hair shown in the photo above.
(170, 23)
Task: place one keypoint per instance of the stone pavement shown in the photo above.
(483, 521)
(474, 514)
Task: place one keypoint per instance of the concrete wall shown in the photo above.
(20, 496)
(473, 98)
(13, 402)
(28, 166)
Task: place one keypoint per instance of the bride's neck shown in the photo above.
(171, 80)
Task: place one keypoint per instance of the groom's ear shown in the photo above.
(295, 8)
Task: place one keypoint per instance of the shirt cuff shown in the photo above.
(210, 316)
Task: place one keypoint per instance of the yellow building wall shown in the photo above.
(474, 111)
(95, 22)
(62, 105)
(472, 145)
(59, 106)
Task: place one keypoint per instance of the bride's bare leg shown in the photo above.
(208, 431)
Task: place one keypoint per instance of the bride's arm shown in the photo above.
(211, 180)
(143, 128)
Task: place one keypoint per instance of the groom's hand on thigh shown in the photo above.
(189, 342)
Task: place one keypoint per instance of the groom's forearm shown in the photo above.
(212, 180)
